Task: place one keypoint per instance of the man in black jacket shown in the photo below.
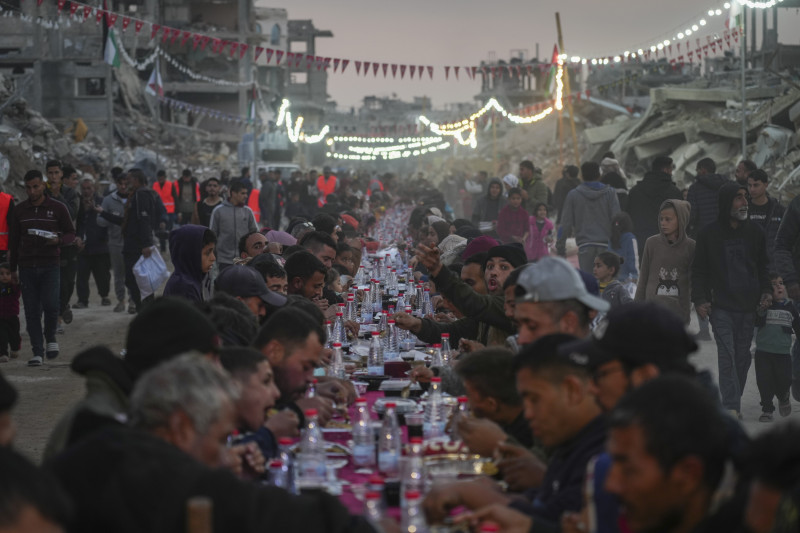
(646, 197)
(729, 276)
(140, 478)
(764, 210)
(137, 228)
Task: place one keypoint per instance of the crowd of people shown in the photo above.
(575, 358)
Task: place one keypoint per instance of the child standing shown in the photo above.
(539, 236)
(667, 259)
(9, 315)
(606, 269)
(512, 221)
(776, 318)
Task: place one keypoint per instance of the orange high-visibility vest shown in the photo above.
(252, 203)
(166, 193)
(325, 187)
(5, 202)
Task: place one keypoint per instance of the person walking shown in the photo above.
(231, 221)
(113, 208)
(729, 277)
(646, 197)
(93, 255)
(39, 226)
(588, 211)
(166, 191)
(68, 261)
(6, 208)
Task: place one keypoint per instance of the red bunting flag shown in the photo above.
(196, 39)
(185, 37)
(73, 8)
(474, 71)
(394, 70)
(412, 69)
(87, 10)
(375, 67)
(289, 57)
(385, 67)
(61, 4)
(446, 73)
(366, 67)
(345, 62)
(420, 70)
(319, 62)
(402, 71)
(165, 31)
(243, 49)
(336, 61)
(216, 44)
(258, 51)
(111, 18)
(154, 30)
(309, 60)
(204, 42)
(358, 68)
(455, 71)
(98, 16)
(137, 26)
(430, 72)
(175, 34)
(126, 21)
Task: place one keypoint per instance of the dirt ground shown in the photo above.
(46, 392)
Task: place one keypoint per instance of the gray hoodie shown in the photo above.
(587, 213)
(114, 205)
(230, 224)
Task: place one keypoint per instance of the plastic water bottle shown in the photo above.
(433, 426)
(337, 362)
(339, 331)
(287, 460)
(391, 283)
(415, 474)
(329, 332)
(436, 358)
(312, 452)
(350, 311)
(377, 296)
(363, 436)
(361, 275)
(462, 411)
(389, 444)
(277, 474)
(427, 306)
(364, 256)
(366, 307)
(311, 391)
(375, 356)
(413, 520)
(401, 301)
(373, 508)
(447, 352)
(408, 341)
(392, 351)
(418, 296)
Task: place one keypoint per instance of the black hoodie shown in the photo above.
(703, 196)
(645, 200)
(730, 264)
(185, 248)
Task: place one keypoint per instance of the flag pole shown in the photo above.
(110, 114)
(744, 89)
(567, 92)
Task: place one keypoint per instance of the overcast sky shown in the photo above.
(464, 32)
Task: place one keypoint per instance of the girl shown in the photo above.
(489, 206)
(606, 269)
(667, 260)
(623, 243)
(539, 237)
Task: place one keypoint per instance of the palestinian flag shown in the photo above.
(111, 55)
(551, 78)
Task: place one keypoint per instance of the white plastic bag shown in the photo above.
(150, 272)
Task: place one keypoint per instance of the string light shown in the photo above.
(390, 155)
(380, 139)
(394, 148)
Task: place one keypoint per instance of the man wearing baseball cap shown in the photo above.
(552, 298)
(246, 284)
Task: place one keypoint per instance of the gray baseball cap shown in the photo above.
(553, 279)
(243, 281)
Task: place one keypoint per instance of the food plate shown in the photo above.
(402, 405)
(373, 381)
(394, 387)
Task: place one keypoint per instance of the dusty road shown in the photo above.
(47, 391)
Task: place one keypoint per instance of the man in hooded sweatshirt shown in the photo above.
(703, 195)
(729, 277)
(231, 221)
(191, 248)
(646, 197)
(665, 274)
(587, 213)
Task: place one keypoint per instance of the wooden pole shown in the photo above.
(567, 92)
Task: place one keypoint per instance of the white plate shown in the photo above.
(398, 384)
(403, 405)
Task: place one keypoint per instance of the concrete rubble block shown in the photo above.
(773, 142)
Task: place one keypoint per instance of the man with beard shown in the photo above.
(114, 205)
(729, 275)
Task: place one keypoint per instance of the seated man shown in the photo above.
(166, 328)
(274, 275)
(252, 244)
(486, 375)
(563, 415)
(306, 276)
(139, 478)
(258, 393)
(245, 284)
(30, 498)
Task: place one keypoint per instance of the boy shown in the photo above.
(192, 249)
(776, 318)
(9, 315)
(513, 220)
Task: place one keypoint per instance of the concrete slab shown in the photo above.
(607, 132)
(664, 94)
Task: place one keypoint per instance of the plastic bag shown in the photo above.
(150, 272)
(630, 286)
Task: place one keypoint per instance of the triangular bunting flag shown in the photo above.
(98, 16)
(336, 62)
(61, 4)
(234, 48)
(326, 63)
(394, 70)
(402, 71)
(196, 39)
(319, 62)
(358, 68)
(204, 42)
(73, 8)
(474, 70)
(411, 71)
(385, 67)
(446, 73)
(420, 71)
(278, 56)
(455, 71)
(165, 33)
(375, 67)
(289, 57)
(137, 26)
(185, 37)
(345, 62)
(258, 51)
(366, 67)
(111, 18)
(87, 10)
(430, 72)
(243, 49)
(154, 30)
(126, 21)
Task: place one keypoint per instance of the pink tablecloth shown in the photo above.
(348, 472)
